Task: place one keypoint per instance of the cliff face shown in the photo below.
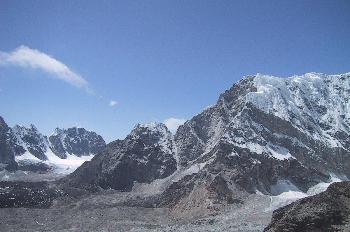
(7, 155)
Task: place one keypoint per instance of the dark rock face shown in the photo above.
(7, 155)
(39, 167)
(77, 141)
(327, 211)
(27, 194)
(146, 154)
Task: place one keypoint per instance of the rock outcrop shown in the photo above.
(327, 211)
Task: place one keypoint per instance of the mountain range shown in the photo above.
(264, 136)
(27, 149)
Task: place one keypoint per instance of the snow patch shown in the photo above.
(61, 166)
(321, 187)
(287, 193)
(278, 152)
(27, 156)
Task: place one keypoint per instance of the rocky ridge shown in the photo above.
(146, 154)
(265, 134)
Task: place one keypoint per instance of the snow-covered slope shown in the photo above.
(315, 102)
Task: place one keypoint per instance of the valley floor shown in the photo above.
(104, 213)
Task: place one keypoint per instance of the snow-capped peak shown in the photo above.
(315, 96)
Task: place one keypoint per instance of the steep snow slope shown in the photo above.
(315, 102)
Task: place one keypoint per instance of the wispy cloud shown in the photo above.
(113, 103)
(31, 58)
(174, 123)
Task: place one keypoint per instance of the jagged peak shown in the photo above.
(308, 75)
(2, 122)
(23, 129)
(33, 127)
(152, 126)
(78, 130)
(153, 129)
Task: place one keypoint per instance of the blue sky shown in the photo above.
(156, 59)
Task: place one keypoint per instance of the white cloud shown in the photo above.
(31, 58)
(174, 123)
(113, 103)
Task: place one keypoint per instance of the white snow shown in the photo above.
(27, 156)
(61, 166)
(279, 152)
(285, 198)
(68, 165)
(321, 187)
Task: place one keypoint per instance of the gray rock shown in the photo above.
(77, 141)
(146, 154)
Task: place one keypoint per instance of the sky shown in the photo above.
(108, 65)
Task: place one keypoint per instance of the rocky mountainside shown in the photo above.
(77, 141)
(146, 154)
(63, 142)
(265, 134)
(327, 211)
